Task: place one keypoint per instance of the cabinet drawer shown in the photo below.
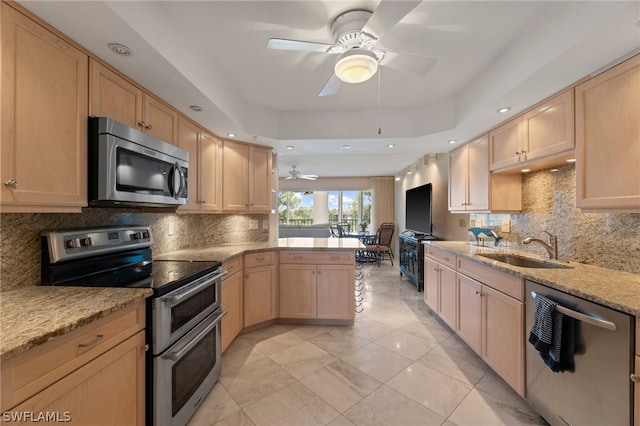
(232, 266)
(509, 284)
(260, 259)
(30, 372)
(318, 257)
(441, 256)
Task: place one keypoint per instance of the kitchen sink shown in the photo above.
(525, 262)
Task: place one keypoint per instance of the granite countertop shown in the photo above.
(614, 289)
(30, 316)
(224, 252)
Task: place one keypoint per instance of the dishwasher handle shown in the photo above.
(608, 325)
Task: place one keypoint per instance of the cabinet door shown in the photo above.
(44, 118)
(298, 291)
(232, 303)
(110, 390)
(188, 138)
(113, 96)
(335, 292)
(636, 394)
(503, 336)
(469, 326)
(260, 293)
(210, 174)
(235, 168)
(478, 174)
(431, 284)
(549, 127)
(260, 179)
(448, 295)
(458, 179)
(160, 119)
(608, 140)
(505, 145)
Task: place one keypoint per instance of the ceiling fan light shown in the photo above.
(356, 66)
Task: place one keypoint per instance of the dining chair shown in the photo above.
(381, 244)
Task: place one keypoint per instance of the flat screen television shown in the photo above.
(418, 209)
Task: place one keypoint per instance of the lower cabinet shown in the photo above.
(469, 312)
(260, 287)
(440, 291)
(232, 301)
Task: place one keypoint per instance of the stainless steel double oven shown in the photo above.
(183, 315)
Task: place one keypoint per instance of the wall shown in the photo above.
(609, 240)
(20, 245)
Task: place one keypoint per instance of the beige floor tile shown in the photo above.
(370, 329)
(216, 406)
(255, 381)
(378, 362)
(493, 385)
(302, 359)
(239, 418)
(341, 421)
(238, 355)
(310, 331)
(406, 344)
(339, 341)
(429, 329)
(386, 406)
(430, 388)
(455, 361)
(292, 405)
(393, 319)
(483, 409)
(279, 342)
(340, 384)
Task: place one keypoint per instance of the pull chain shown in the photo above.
(379, 107)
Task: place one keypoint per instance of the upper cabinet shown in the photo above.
(472, 188)
(44, 119)
(544, 135)
(247, 178)
(608, 140)
(205, 168)
(114, 96)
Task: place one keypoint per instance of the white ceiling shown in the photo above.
(214, 54)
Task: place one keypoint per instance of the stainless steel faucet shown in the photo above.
(551, 248)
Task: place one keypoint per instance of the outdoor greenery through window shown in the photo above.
(307, 208)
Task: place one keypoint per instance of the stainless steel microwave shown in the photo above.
(131, 168)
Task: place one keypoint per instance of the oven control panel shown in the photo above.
(77, 243)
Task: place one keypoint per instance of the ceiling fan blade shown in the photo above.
(387, 15)
(408, 63)
(308, 177)
(289, 177)
(332, 86)
(306, 46)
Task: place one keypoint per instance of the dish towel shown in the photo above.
(552, 334)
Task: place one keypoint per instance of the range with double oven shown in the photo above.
(183, 315)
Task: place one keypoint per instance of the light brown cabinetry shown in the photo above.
(95, 373)
(232, 301)
(260, 287)
(608, 140)
(469, 326)
(440, 284)
(317, 285)
(114, 96)
(44, 119)
(636, 386)
(472, 188)
(205, 168)
(247, 178)
(545, 131)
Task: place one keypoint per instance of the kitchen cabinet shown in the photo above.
(232, 301)
(260, 287)
(472, 188)
(542, 136)
(247, 177)
(440, 284)
(205, 168)
(469, 325)
(44, 119)
(95, 373)
(636, 385)
(317, 285)
(608, 140)
(112, 95)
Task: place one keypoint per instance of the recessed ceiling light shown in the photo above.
(504, 109)
(346, 146)
(231, 135)
(525, 170)
(453, 141)
(397, 178)
(196, 108)
(120, 49)
(571, 160)
(391, 145)
(288, 147)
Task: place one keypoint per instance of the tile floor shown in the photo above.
(397, 365)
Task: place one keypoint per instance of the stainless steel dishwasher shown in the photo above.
(598, 391)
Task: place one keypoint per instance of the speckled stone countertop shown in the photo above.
(617, 290)
(30, 316)
(226, 252)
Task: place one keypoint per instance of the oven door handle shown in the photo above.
(196, 288)
(174, 356)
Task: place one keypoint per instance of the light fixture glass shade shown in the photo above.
(356, 66)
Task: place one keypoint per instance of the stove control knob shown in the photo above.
(145, 235)
(85, 242)
(72, 243)
(136, 236)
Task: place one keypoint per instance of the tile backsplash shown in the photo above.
(20, 245)
(609, 240)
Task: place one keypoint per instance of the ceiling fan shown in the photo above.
(356, 34)
(294, 174)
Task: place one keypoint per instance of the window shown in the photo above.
(295, 208)
(352, 207)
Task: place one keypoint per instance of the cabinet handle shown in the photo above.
(259, 259)
(634, 378)
(93, 342)
(148, 127)
(478, 293)
(142, 124)
(13, 184)
(446, 258)
(145, 348)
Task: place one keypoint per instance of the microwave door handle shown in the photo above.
(176, 181)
